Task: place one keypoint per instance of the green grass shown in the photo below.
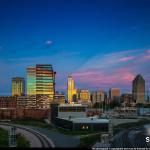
(21, 141)
(88, 141)
(123, 126)
(3, 138)
(31, 122)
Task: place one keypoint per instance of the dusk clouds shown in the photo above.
(100, 44)
(125, 59)
(114, 69)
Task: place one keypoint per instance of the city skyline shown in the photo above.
(75, 87)
(101, 44)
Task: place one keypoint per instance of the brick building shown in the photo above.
(8, 101)
(16, 113)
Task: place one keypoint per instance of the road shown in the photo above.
(36, 139)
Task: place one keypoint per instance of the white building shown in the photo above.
(72, 111)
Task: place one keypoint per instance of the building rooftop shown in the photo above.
(88, 120)
(72, 105)
(139, 77)
(17, 78)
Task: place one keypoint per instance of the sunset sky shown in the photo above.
(101, 43)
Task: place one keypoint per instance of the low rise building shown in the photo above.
(73, 117)
(26, 102)
(72, 110)
(8, 101)
(127, 99)
(143, 111)
(124, 112)
(24, 113)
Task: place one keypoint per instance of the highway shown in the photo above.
(35, 138)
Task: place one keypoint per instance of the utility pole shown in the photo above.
(12, 137)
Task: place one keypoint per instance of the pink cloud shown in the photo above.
(98, 78)
(125, 59)
(148, 51)
(106, 71)
(146, 57)
(125, 74)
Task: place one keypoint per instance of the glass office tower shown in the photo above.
(41, 82)
(31, 81)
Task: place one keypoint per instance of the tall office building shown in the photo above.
(41, 82)
(18, 86)
(84, 95)
(71, 89)
(31, 81)
(98, 96)
(114, 93)
(78, 91)
(138, 89)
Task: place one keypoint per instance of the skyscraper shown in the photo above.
(98, 96)
(18, 86)
(71, 89)
(138, 89)
(41, 82)
(31, 81)
(114, 93)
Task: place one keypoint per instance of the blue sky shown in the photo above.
(79, 37)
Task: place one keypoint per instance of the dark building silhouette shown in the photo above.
(127, 99)
(138, 89)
